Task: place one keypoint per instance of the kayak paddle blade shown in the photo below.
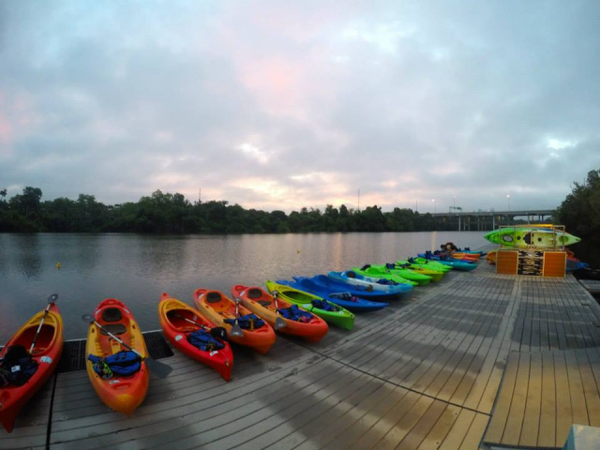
(236, 330)
(279, 323)
(161, 370)
(52, 299)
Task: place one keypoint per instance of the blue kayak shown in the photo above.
(340, 298)
(365, 287)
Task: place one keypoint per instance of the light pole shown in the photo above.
(508, 203)
(434, 206)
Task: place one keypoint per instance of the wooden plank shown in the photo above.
(501, 410)
(590, 388)
(442, 427)
(514, 423)
(547, 427)
(564, 418)
(474, 436)
(422, 428)
(531, 419)
(578, 402)
(459, 430)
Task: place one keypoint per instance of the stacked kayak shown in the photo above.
(379, 273)
(221, 310)
(344, 299)
(436, 275)
(330, 312)
(121, 392)
(368, 286)
(303, 324)
(525, 237)
(194, 335)
(337, 282)
(42, 361)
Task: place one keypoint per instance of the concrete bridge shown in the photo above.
(489, 220)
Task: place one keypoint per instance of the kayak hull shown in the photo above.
(122, 394)
(216, 307)
(407, 274)
(363, 287)
(542, 238)
(263, 306)
(47, 352)
(341, 318)
(376, 273)
(172, 314)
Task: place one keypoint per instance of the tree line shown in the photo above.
(580, 214)
(173, 213)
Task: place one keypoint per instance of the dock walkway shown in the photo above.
(478, 359)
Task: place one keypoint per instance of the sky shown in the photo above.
(284, 105)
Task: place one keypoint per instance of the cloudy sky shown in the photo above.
(280, 105)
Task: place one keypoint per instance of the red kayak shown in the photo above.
(46, 353)
(179, 321)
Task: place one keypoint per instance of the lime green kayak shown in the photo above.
(407, 274)
(436, 275)
(432, 264)
(517, 237)
(333, 313)
(376, 273)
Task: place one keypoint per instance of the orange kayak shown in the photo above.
(176, 321)
(121, 393)
(47, 352)
(218, 308)
(263, 305)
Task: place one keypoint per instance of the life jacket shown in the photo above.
(296, 314)
(122, 364)
(386, 282)
(247, 322)
(324, 305)
(204, 341)
(17, 366)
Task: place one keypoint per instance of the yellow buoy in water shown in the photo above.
(298, 251)
(58, 265)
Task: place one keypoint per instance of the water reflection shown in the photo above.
(138, 268)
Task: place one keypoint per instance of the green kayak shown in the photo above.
(542, 238)
(407, 274)
(436, 275)
(432, 264)
(376, 273)
(334, 314)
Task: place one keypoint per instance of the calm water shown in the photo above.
(136, 269)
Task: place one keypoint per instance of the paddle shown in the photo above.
(51, 300)
(279, 322)
(218, 332)
(236, 330)
(161, 370)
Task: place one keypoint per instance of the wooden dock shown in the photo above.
(479, 359)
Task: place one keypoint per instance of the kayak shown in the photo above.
(370, 284)
(377, 273)
(121, 393)
(436, 275)
(328, 311)
(435, 265)
(220, 310)
(407, 274)
(311, 329)
(526, 237)
(176, 322)
(454, 263)
(341, 298)
(366, 291)
(491, 257)
(46, 353)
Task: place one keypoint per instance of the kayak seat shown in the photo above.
(213, 297)
(265, 303)
(350, 274)
(254, 293)
(112, 315)
(115, 328)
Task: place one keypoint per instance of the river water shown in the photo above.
(136, 269)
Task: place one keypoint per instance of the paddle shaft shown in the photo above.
(118, 340)
(40, 326)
